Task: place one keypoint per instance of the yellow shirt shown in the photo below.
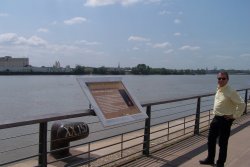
(228, 102)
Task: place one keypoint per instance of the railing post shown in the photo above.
(43, 144)
(197, 117)
(146, 143)
(246, 94)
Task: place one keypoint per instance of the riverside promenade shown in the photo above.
(188, 152)
(177, 142)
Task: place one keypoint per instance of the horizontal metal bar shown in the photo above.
(18, 160)
(163, 101)
(44, 118)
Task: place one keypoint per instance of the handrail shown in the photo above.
(197, 117)
(45, 118)
(164, 101)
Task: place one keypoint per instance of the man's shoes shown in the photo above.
(206, 162)
(219, 165)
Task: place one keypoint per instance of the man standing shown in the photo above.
(228, 105)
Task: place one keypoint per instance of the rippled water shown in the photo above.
(22, 96)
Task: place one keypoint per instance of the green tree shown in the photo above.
(101, 70)
(141, 69)
(79, 69)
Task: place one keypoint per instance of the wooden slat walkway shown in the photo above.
(188, 152)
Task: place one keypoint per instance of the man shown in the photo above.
(228, 105)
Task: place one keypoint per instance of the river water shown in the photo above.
(22, 96)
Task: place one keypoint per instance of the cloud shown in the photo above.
(191, 48)
(4, 14)
(129, 2)
(54, 23)
(224, 57)
(180, 13)
(45, 30)
(177, 34)
(84, 42)
(136, 48)
(245, 55)
(75, 20)
(12, 38)
(153, 1)
(33, 40)
(164, 12)
(177, 21)
(138, 39)
(161, 45)
(96, 3)
(168, 51)
(7, 37)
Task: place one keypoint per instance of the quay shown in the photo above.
(174, 135)
(188, 152)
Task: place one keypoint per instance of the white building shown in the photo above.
(9, 62)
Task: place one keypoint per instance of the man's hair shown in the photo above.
(224, 73)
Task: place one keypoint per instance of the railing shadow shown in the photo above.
(181, 152)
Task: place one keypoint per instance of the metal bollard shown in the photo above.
(62, 133)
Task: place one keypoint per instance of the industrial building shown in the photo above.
(9, 62)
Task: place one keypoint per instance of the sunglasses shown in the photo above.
(220, 79)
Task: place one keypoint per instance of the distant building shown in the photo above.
(8, 62)
(57, 64)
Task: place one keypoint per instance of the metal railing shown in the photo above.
(168, 122)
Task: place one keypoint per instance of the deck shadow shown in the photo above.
(181, 152)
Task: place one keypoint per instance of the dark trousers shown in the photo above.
(220, 127)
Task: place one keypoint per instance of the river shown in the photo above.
(23, 96)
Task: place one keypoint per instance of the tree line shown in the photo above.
(140, 69)
(143, 69)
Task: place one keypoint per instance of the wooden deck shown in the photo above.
(188, 152)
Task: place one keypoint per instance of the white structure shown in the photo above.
(8, 62)
(57, 64)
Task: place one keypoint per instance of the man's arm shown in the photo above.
(239, 103)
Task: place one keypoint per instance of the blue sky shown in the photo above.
(172, 34)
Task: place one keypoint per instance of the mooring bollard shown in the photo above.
(62, 133)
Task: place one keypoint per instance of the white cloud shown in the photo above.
(45, 30)
(12, 38)
(177, 21)
(75, 20)
(96, 3)
(4, 14)
(180, 13)
(177, 34)
(8, 37)
(34, 40)
(168, 51)
(136, 48)
(138, 39)
(164, 12)
(245, 55)
(223, 57)
(84, 42)
(161, 45)
(153, 1)
(129, 2)
(188, 47)
(54, 23)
